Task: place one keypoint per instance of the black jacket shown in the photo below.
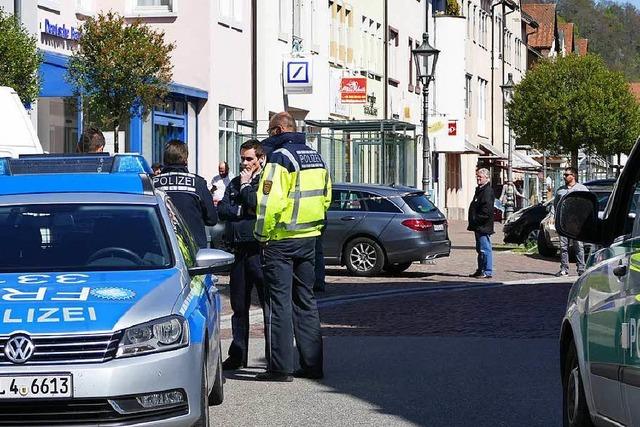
(191, 197)
(238, 208)
(481, 210)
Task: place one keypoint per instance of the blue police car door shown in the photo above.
(346, 211)
(210, 301)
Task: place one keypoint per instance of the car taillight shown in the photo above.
(417, 224)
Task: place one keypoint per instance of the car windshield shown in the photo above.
(419, 203)
(76, 237)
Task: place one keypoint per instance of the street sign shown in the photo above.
(298, 75)
(353, 90)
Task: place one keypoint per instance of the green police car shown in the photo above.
(600, 335)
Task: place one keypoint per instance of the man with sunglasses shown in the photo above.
(571, 184)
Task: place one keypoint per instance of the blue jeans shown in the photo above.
(485, 253)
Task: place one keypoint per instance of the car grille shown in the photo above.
(76, 412)
(63, 349)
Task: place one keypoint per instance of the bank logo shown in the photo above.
(19, 349)
(118, 294)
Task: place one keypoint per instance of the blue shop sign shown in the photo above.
(61, 31)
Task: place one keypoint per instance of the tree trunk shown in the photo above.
(574, 159)
(115, 137)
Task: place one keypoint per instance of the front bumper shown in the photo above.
(94, 385)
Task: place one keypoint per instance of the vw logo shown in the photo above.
(19, 349)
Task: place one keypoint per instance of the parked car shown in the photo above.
(371, 228)
(523, 226)
(548, 238)
(600, 334)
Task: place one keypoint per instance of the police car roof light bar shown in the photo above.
(74, 163)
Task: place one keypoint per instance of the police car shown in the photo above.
(600, 335)
(109, 314)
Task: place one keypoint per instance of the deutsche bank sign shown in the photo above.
(297, 75)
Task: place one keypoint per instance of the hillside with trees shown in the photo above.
(612, 30)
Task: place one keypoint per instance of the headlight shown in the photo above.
(163, 334)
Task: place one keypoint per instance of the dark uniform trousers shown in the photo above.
(246, 272)
(288, 267)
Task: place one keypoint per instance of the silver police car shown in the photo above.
(109, 314)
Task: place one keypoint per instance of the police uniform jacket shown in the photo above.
(191, 197)
(294, 191)
(238, 208)
(481, 210)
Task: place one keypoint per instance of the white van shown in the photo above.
(19, 135)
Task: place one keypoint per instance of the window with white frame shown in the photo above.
(154, 6)
(475, 29)
(50, 4)
(467, 94)
(85, 7)
(230, 13)
(394, 42)
(482, 105)
(468, 20)
(228, 138)
(297, 19)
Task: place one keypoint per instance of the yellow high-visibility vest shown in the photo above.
(293, 195)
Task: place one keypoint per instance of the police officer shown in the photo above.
(238, 208)
(293, 196)
(188, 191)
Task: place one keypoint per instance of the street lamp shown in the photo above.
(425, 57)
(507, 92)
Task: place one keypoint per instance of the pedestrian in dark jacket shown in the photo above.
(188, 191)
(481, 223)
(238, 208)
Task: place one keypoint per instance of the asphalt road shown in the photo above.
(476, 357)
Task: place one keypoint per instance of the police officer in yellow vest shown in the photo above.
(293, 196)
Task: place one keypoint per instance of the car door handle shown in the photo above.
(348, 218)
(620, 270)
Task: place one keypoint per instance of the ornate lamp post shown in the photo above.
(425, 57)
(507, 92)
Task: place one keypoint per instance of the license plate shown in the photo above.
(438, 227)
(49, 386)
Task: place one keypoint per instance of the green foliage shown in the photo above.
(453, 8)
(19, 59)
(576, 102)
(612, 30)
(120, 68)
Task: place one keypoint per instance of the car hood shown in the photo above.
(84, 302)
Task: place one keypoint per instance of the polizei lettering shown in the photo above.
(49, 315)
(309, 159)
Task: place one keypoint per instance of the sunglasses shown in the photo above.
(568, 174)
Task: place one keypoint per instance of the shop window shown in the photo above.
(58, 124)
(169, 123)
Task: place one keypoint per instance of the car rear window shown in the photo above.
(76, 237)
(419, 203)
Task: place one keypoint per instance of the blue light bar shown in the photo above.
(74, 163)
(130, 163)
(4, 166)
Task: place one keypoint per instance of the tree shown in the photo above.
(19, 59)
(572, 103)
(120, 70)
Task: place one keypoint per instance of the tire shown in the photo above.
(575, 412)
(397, 268)
(204, 404)
(543, 247)
(532, 237)
(364, 257)
(216, 397)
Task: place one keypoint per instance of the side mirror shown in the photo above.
(211, 261)
(577, 216)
